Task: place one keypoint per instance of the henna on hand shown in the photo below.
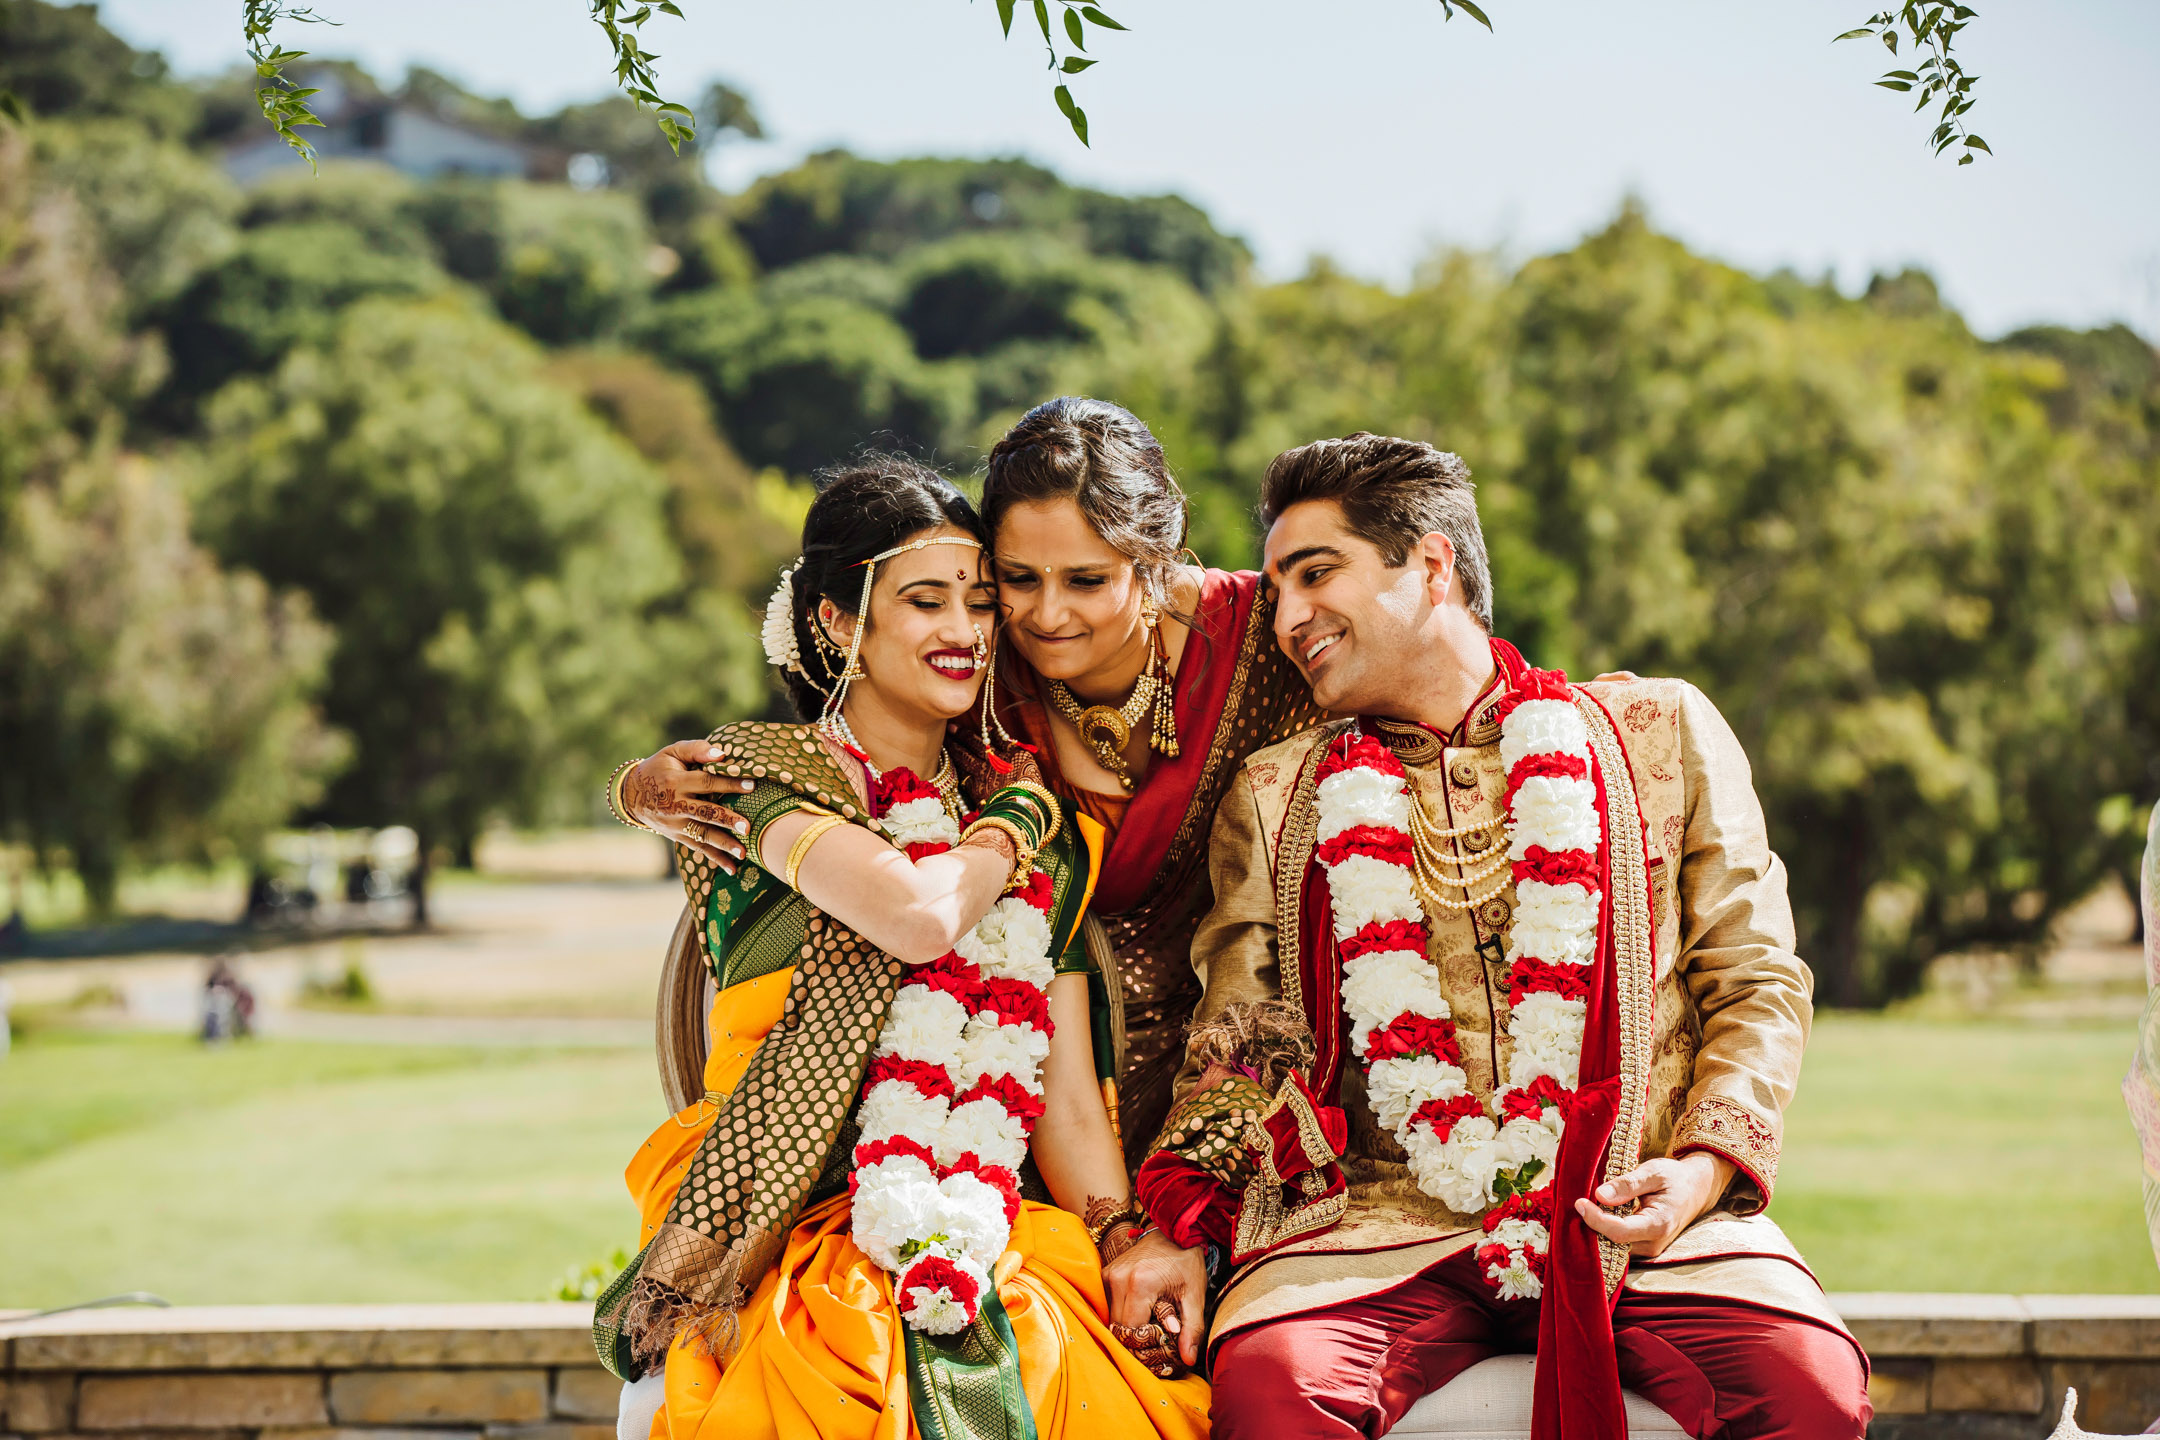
(666, 793)
(991, 838)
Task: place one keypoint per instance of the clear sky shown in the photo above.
(1371, 131)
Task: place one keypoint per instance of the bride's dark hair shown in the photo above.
(863, 508)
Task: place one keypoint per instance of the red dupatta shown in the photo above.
(1578, 1393)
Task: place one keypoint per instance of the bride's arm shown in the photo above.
(1077, 1154)
(915, 909)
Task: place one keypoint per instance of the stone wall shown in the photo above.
(1976, 1367)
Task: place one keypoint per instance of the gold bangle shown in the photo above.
(801, 848)
(614, 792)
(1023, 853)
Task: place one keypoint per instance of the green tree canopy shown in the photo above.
(495, 562)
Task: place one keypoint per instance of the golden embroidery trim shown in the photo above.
(1301, 831)
(1633, 960)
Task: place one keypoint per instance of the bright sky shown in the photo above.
(1372, 131)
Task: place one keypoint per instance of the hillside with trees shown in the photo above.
(373, 498)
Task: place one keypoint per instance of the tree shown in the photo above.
(151, 705)
(494, 561)
(801, 382)
(1914, 570)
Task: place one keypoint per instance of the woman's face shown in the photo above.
(1071, 601)
(927, 609)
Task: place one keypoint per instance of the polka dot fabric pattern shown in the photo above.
(770, 1141)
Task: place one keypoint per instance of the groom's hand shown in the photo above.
(1157, 1268)
(1669, 1194)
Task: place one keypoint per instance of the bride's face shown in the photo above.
(927, 608)
(1071, 600)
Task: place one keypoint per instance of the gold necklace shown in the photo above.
(1107, 729)
(1433, 851)
(946, 781)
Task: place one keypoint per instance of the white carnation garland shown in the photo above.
(953, 1090)
(1466, 1154)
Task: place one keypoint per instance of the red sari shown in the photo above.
(1234, 692)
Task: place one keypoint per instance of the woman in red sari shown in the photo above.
(1143, 682)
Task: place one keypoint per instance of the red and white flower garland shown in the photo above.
(953, 1089)
(1465, 1153)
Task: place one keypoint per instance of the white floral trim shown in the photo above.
(939, 1230)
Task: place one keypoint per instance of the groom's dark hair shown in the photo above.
(1392, 493)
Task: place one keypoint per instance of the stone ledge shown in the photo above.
(302, 1337)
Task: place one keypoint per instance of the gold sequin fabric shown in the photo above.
(1267, 702)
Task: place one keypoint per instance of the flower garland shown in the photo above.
(953, 1089)
(1465, 1153)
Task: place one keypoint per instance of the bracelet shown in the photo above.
(1023, 852)
(1053, 813)
(803, 842)
(1130, 1215)
(614, 792)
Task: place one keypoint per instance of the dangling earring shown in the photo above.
(1163, 737)
(990, 719)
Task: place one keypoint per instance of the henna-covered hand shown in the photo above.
(1158, 1300)
(670, 794)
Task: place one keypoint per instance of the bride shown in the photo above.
(896, 1202)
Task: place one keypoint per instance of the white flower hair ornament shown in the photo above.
(778, 632)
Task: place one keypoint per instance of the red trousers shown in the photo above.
(1722, 1369)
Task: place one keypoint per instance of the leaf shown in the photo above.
(1474, 13)
(1073, 31)
(1893, 84)
(1965, 159)
(1889, 38)
(1097, 17)
(1861, 33)
(1064, 100)
(1005, 14)
(1902, 75)
(1042, 18)
(1074, 65)
(1974, 142)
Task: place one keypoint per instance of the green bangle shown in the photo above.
(1018, 810)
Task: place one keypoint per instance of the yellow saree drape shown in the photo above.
(822, 1355)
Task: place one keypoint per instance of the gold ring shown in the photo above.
(695, 829)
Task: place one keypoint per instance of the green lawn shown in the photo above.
(299, 1172)
(1988, 1155)
(1922, 1156)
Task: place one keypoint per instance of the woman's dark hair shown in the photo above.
(1100, 457)
(863, 508)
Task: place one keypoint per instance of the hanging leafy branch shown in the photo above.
(1931, 29)
(1075, 17)
(283, 104)
(624, 20)
(1929, 26)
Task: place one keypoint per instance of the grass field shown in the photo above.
(1922, 1156)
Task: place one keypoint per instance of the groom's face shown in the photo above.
(1347, 619)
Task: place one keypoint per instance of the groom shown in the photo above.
(1501, 1017)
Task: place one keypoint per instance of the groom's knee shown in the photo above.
(1282, 1381)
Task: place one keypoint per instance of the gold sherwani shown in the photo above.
(1712, 1028)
